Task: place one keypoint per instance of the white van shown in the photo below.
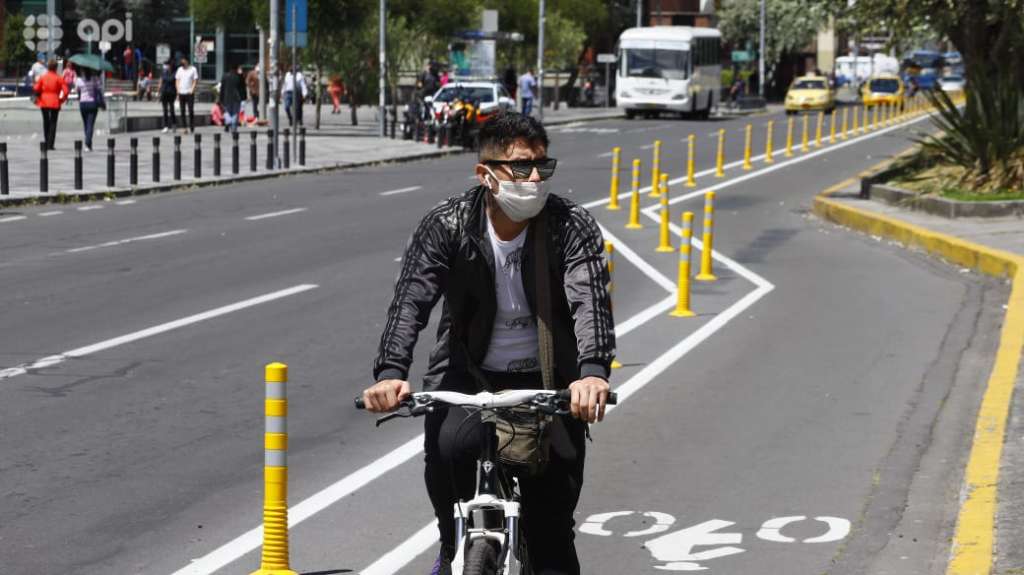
(669, 69)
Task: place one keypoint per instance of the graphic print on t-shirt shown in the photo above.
(513, 346)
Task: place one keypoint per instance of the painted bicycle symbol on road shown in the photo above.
(676, 550)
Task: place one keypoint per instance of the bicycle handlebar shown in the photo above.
(487, 400)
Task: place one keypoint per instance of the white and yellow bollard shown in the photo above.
(855, 127)
(874, 117)
(683, 279)
(846, 123)
(634, 199)
(609, 250)
(613, 200)
(805, 136)
(748, 142)
(820, 125)
(832, 127)
(789, 137)
(768, 159)
(720, 161)
(664, 233)
(655, 169)
(274, 557)
(706, 274)
(691, 176)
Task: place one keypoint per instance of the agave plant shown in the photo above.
(985, 137)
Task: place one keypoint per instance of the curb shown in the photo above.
(974, 540)
(123, 192)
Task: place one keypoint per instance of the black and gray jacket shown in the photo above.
(450, 255)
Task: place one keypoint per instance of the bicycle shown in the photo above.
(489, 527)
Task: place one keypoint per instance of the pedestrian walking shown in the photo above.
(168, 94)
(69, 76)
(129, 69)
(295, 90)
(336, 89)
(185, 80)
(90, 102)
(232, 93)
(527, 84)
(252, 83)
(51, 93)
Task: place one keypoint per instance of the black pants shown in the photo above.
(188, 100)
(167, 104)
(50, 126)
(549, 499)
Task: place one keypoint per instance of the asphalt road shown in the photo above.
(812, 419)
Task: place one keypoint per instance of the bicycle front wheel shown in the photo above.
(482, 558)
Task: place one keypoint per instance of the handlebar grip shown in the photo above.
(359, 403)
(566, 395)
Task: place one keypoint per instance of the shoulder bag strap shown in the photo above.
(543, 282)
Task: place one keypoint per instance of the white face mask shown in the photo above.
(520, 200)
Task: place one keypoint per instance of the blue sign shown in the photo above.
(298, 10)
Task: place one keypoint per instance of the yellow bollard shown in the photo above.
(768, 143)
(609, 249)
(832, 128)
(274, 559)
(613, 200)
(634, 199)
(691, 145)
(706, 274)
(789, 137)
(655, 169)
(720, 164)
(846, 123)
(746, 148)
(874, 117)
(664, 236)
(683, 280)
(855, 126)
(805, 135)
(817, 131)
(864, 124)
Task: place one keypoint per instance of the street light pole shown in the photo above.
(760, 62)
(51, 9)
(540, 63)
(639, 13)
(272, 75)
(382, 82)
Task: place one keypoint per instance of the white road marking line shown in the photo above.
(89, 208)
(151, 331)
(47, 214)
(125, 202)
(404, 554)
(12, 218)
(275, 214)
(403, 190)
(604, 155)
(647, 147)
(126, 241)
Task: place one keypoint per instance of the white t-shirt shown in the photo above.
(514, 345)
(185, 79)
(289, 83)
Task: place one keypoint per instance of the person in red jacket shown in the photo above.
(51, 92)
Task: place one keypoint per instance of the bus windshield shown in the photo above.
(656, 63)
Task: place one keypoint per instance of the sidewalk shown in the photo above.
(336, 145)
(990, 525)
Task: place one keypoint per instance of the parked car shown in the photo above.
(810, 93)
(952, 83)
(488, 96)
(885, 89)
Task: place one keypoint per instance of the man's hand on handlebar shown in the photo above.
(385, 395)
(589, 396)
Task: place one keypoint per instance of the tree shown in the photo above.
(13, 51)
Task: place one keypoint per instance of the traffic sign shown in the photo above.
(298, 10)
(742, 56)
(200, 52)
(606, 58)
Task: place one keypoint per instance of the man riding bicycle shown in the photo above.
(478, 250)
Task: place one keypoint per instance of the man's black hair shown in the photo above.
(504, 129)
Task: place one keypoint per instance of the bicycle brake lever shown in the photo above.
(389, 417)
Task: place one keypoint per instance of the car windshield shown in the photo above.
(480, 94)
(809, 85)
(657, 63)
(887, 85)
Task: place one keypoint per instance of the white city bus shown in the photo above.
(669, 69)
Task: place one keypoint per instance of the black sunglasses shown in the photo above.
(522, 169)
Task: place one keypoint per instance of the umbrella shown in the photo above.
(94, 61)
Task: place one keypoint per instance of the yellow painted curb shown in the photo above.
(973, 542)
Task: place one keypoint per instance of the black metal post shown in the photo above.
(156, 159)
(270, 149)
(234, 153)
(418, 134)
(216, 154)
(394, 121)
(252, 151)
(287, 149)
(44, 169)
(177, 158)
(5, 184)
(442, 134)
(197, 157)
(133, 166)
(110, 162)
(302, 146)
(78, 164)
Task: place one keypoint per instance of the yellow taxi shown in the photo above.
(880, 90)
(810, 93)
